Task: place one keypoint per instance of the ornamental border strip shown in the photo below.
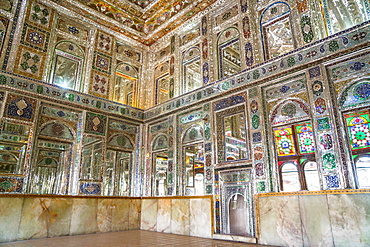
(37, 87)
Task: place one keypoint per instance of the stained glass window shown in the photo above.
(358, 130)
(295, 147)
(284, 141)
(306, 140)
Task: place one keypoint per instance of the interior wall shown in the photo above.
(32, 217)
(335, 218)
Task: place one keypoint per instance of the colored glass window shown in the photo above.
(358, 129)
(284, 141)
(306, 140)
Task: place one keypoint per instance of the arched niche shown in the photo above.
(163, 85)
(160, 171)
(53, 157)
(125, 86)
(193, 160)
(67, 65)
(13, 147)
(119, 164)
(191, 70)
(229, 52)
(276, 30)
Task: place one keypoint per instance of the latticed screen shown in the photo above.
(358, 129)
(284, 141)
(306, 140)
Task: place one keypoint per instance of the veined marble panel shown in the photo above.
(149, 214)
(350, 219)
(59, 217)
(180, 219)
(10, 212)
(83, 219)
(164, 215)
(200, 218)
(120, 214)
(135, 212)
(104, 217)
(315, 220)
(280, 221)
(35, 218)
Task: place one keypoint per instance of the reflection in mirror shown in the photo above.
(192, 78)
(92, 155)
(117, 173)
(194, 169)
(235, 137)
(123, 89)
(230, 63)
(160, 161)
(52, 159)
(163, 89)
(125, 85)
(66, 71)
(13, 142)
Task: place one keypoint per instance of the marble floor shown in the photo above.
(126, 238)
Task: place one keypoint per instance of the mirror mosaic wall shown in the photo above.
(247, 98)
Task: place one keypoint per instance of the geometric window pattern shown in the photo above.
(358, 129)
(295, 147)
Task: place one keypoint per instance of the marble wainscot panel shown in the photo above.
(10, 217)
(83, 219)
(104, 216)
(280, 221)
(180, 219)
(350, 219)
(135, 214)
(164, 215)
(34, 222)
(200, 218)
(149, 214)
(58, 216)
(120, 214)
(315, 220)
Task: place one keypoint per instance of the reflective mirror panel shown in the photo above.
(342, 14)
(163, 89)
(117, 173)
(124, 89)
(192, 75)
(51, 162)
(66, 71)
(194, 169)
(160, 173)
(230, 63)
(279, 38)
(92, 155)
(13, 143)
(235, 137)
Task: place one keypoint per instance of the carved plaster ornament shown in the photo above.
(96, 121)
(21, 105)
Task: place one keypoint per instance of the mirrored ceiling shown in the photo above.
(143, 20)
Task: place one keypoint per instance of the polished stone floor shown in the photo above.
(126, 238)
